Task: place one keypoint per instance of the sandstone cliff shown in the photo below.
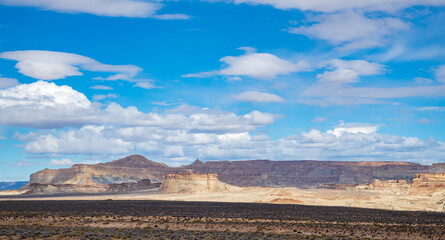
(400, 187)
(309, 174)
(193, 183)
(264, 173)
(129, 169)
(43, 188)
(423, 184)
(426, 184)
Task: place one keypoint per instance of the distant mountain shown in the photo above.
(265, 173)
(12, 185)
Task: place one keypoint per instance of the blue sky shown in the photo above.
(92, 81)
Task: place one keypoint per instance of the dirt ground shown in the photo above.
(209, 220)
(320, 197)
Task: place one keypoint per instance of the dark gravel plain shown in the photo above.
(209, 220)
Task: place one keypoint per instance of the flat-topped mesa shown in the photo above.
(189, 182)
(428, 183)
(129, 169)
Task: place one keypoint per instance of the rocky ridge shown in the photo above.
(372, 176)
(44, 188)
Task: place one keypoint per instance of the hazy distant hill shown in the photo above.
(12, 185)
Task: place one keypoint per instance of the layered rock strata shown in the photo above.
(43, 188)
(426, 184)
(263, 173)
(193, 183)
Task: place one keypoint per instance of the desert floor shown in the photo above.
(319, 197)
(209, 220)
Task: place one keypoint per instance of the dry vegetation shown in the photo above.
(205, 220)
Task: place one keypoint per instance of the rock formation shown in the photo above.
(310, 174)
(426, 184)
(189, 182)
(262, 173)
(422, 184)
(129, 169)
(44, 188)
(400, 187)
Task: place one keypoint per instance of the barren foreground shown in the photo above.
(319, 197)
(205, 220)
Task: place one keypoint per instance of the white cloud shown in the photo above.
(362, 67)
(343, 128)
(42, 94)
(109, 8)
(338, 76)
(62, 162)
(99, 97)
(334, 86)
(440, 73)
(352, 30)
(341, 72)
(433, 108)
(259, 97)
(255, 65)
(338, 5)
(329, 101)
(86, 140)
(175, 16)
(347, 141)
(374, 92)
(8, 82)
(101, 87)
(49, 65)
(146, 85)
(423, 81)
(46, 105)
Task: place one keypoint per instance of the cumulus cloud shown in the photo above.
(341, 72)
(346, 141)
(49, 65)
(108, 8)
(87, 140)
(255, 65)
(352, 30)
(343, 128)
(62, 162)
(46, 105)
(8, 82)
(42, 94)
(259, 97)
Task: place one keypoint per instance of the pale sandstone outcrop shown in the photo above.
(428, 183)
(42, 188)
(422, 184)
(193, 183)
(129, 169)
(400, 187)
